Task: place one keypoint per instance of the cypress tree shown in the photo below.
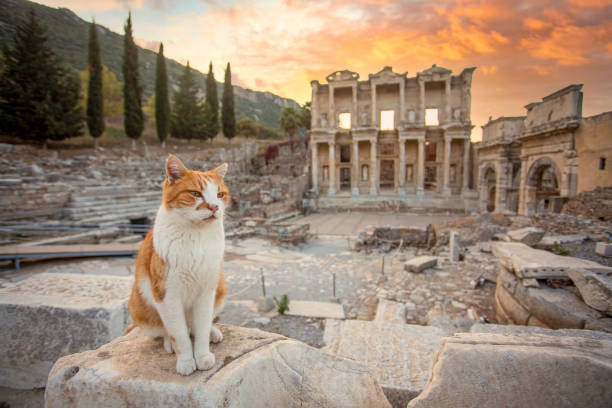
(132, 92)
(187, 119)
(212, 105)
(95, 101)
(228, 117)
(162, 106)
(38, 94)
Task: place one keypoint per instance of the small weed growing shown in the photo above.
(282, 305)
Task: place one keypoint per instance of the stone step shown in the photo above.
(78, 198)
(398, 355)
(108, 220)
(109, 208)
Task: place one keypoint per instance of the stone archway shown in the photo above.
(488, 188)
(541, 185)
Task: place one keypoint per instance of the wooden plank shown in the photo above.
(67, 249)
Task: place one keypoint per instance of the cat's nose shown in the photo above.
(213, 208)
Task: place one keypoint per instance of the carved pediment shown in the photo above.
(386, 73)
(435, 73)
(344, 75)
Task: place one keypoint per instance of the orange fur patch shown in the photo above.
(221, 289)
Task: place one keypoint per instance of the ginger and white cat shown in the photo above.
(179, 284)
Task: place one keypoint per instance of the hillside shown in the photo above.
(68, 36)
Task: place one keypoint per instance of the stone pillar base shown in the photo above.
(401, 192)
(355, 192)
(420, 192)
(373, 192)
(331, 192)
(446, 192)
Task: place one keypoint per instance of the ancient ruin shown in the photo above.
(393, 136)
(535, 163)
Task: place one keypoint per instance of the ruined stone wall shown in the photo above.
(565, 104)
(593, 141)
(502, 129)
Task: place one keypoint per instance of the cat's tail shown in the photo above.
(129, 329)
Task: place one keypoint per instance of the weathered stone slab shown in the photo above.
(595, 287)
(399, 356)
(603, 249)
(420, 263)
(557, 308)
(536, 370)
(253, 369)
(549, 241)
(454, 246)
(528, 236)
(50, 315)
(514, 330)
(527, 262)
(322, 310)
(390, 312)
(513, 309)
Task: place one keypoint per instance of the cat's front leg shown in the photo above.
(202, 323)
(173, 316)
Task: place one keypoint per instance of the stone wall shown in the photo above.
(594, 143)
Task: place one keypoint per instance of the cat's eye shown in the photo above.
(221, 194)
(194, 193)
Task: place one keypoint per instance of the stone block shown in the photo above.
(253, 369)
(556, 308)
(528, 236)
(390, 311)
(513, 330)
(513, 309)
(548, 242)
(399, 356)
(595, 287)
(454, 246)
(50, 315)
(527, 262)
(603, 249)
(420, 263)
(536, 370)
(322, 310)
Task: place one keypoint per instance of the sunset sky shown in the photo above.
(523, 50)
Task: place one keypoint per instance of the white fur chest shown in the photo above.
(193, 255)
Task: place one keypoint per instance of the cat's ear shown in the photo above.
(175, 169)
(221, 170)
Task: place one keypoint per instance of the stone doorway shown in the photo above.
(490, 182)
(542, 186)
(345, 178)
(387, 174)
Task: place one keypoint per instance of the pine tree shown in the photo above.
(162, 105)
(187, 119)
(38, 94)
(212, 105)
(132, 92)
(95, 101)
(228, 117)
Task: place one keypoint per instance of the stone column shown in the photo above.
(315, 166)
(421, 168)
(447, 97)
(402, 114)
(421, 100)
(373, 170)
(355, 172)
(523, 187)
(314, 108)
(466, 164)
(500, 188)
(447, 150)
(354, 108)
(332, 169)
(402, 168)
(332, 108)
(373, 103)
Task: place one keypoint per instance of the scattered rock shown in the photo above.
(420, 263)
(595, 287)
(528, 236)
(603, 249)
(390, 312)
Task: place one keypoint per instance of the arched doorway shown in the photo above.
(542, 185)
(488, 188)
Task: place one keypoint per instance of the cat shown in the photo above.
(179, 284)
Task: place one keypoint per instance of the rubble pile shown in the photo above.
(595, 204)
(386, 239)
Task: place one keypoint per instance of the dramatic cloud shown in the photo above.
(524, 49)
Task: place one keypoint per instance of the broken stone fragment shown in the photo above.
(595, 287)
(390, 311)
(540, 368)
(528, 236)
(253, 369)
(420, 263)
(603, 249)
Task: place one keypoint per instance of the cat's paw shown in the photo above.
(185, 365)
(168, 345)
(215, 335)
(205, 361)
